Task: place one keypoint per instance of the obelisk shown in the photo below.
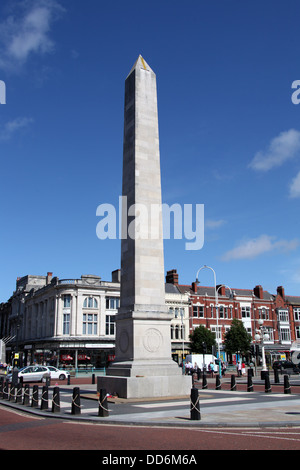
(143, 366)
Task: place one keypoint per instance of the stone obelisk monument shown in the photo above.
(143, 366)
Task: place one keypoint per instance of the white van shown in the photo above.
(198, 359)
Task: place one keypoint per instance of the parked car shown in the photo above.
(288, 365)
(58, 373)
(32, 374)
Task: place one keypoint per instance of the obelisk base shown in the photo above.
(146, 386)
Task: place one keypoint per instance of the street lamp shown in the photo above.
(217, 314)
(261, 335)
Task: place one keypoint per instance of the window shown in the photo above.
(66, 324)
(283, 315)
(67, 301)
(263, 313)
(285, 334)
(297, 332)
(90, 302)
(198, 311)
(245, 312)
(297, 314)
(110, 325)
(89, 324)
(112, 303)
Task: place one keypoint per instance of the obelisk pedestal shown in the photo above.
(143, 366)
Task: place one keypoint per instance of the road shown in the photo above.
(147, 428)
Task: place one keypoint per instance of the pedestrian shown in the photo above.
(223, 368)
(243, 368)
(239, 369)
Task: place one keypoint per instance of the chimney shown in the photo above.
(116, 275)
(221, 289)
(194, 287)
(49, 278)
(280, 291)
(258, 292)
(172, 277)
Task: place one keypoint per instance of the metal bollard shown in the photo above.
(55, 400)
(249, 381)
(287, 387)
(6, 390)
(1, 386)
(93, 379)
(204, 381)
(233, 385)
(44, 399)
(18, 397)
(69, 380)
(195, 405)
(35, 397)
(103, 409)
(26, 395)
(268, 388)
(218, 382)
(11, 395)
(76, 409)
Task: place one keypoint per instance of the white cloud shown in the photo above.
(26, 32)
(254, 247)
(282, 148)
(295, 186)
(11, 127)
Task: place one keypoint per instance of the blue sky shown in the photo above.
(229, 133)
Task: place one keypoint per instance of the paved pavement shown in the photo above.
(218, 408)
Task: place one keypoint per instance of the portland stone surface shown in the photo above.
(143, 366)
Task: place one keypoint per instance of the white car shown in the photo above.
(32, 374)
(57, 373)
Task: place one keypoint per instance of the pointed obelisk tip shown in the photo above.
(142, 64)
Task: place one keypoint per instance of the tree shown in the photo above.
(237, 340)
(199, 336)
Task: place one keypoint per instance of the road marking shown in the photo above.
(186, 403)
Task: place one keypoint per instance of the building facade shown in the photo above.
(71, 322)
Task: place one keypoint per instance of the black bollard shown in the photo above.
(276, 376)
(93, 379)
(1, 386)
(76, 410)
(6, 390)
(26, 395)
(195, 405)
(287, 387)
(35, 397)
(69, 380)
(218, 382)
(18, 397)
(204, 381)
(233, 385)
(12, 392)
(56, 400)
(268, 388)
(103, 409)
(44, 399)
(249, 381)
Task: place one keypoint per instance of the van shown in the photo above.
(198, 359)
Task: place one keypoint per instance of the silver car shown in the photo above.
(33, 374)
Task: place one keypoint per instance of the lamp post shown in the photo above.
(183, 333)
(217, 314)
(262, 336)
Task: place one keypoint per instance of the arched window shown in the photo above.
(90, 302)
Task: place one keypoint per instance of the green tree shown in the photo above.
(199, 336)
(237, 340)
